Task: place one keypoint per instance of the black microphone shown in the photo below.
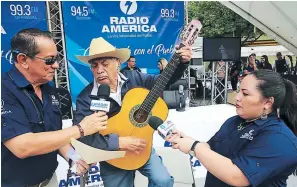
(99, 102)
(180, 107)
(164, 129)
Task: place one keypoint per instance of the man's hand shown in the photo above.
(133, 144)
(81, 167)
(94, 123)
(185, 53)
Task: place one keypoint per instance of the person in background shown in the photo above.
(280, 65)
(265, 63)
(256, 60)
(295, 66)
(220, 69)
(258, 146)
(31, 119)
(234, 74)
(162, 63)
(251, 66)
(291, 70)
(131, 65)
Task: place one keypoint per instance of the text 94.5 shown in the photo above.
(79, 11)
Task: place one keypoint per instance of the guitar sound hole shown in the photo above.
(140, 116)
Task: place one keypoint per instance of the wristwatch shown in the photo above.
(192, 150)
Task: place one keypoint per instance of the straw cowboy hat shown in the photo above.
(101, 48)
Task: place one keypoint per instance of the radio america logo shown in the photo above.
(128, 7)
(128, 23)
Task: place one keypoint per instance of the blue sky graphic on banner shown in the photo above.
(149, 29)
(15, 16)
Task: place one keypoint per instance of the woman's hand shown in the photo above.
(183, 144)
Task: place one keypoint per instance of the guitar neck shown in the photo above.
(161, 83)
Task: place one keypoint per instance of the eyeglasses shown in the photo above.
(48, 61)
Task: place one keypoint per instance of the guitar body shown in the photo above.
(124, 124)
(140, 104)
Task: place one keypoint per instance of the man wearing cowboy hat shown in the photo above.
(105, 61)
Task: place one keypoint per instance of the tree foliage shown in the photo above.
(219, 21)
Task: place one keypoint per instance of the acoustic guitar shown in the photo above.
(139, 104)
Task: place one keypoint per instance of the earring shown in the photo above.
(278, 112)
(264, 115)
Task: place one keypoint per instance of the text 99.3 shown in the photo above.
(19, 10)
(168, 13)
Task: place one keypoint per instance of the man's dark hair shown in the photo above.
(278, 54)
(130, 58)
(24, 42)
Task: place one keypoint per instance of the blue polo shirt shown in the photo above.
(22, 112)
(264, 150)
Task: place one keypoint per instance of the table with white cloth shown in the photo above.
(200, 123)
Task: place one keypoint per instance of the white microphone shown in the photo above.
(100, 103)
(181, 89)
(164, 128)
(180, 107)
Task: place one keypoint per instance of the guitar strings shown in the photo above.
(170, 68)
(149, 102)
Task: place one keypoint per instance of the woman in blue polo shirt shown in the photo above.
(258, 147)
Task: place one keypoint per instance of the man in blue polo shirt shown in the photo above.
(31, 120)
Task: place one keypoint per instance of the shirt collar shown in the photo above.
(18, 78)
(270, 117)
(121, 80)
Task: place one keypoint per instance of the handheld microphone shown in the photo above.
(99, 103)
(163, 128)
(181, 89)
(180, 107)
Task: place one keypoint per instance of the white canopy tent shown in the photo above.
(278, 19)
(264, 50)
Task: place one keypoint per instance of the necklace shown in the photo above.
(241, 126)
(244, 124)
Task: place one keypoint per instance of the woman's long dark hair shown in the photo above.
(266, 59)
(284, 93)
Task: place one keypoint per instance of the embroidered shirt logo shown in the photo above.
(55, 101)
(248, 135)
(3, 111)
